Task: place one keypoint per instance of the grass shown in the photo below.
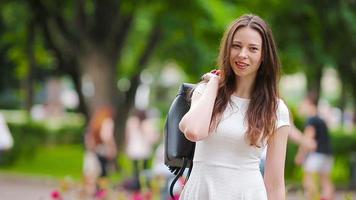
(51, 161)
(61, 161)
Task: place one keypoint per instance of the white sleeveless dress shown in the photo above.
(225, 166)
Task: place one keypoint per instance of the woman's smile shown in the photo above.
(241, 65)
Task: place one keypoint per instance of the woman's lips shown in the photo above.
(241, 65)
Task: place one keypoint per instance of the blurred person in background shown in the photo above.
(100, 141)
(140, 139)
(320, 161)
(6, 140)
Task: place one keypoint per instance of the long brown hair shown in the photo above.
(261, 113)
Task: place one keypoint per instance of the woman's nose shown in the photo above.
(243, 53)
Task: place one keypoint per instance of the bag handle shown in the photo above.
(180, 173)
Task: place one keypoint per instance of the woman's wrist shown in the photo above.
(213, 83)
(214, 78)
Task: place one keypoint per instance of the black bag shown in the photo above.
(179, 151)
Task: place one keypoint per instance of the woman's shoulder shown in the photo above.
(282, 105)
(282, 113)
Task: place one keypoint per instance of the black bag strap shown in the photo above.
(180, 173)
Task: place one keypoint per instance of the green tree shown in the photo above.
(22, 52)
(342, 29)
(107, 40)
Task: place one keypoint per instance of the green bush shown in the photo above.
(29, 136)
(65, 135)
(26, 137)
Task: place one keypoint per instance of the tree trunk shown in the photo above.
(78, 88)
(314, 80)
(347, 79)
(354, 117)
(100, 71)
(354, 103)
(126, 102)
(342, 101)
(120, 124)
(28, 83)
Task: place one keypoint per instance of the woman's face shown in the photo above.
(246, 52)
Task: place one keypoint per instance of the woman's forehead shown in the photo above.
(247, 35)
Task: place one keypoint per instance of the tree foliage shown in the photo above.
(107, 40)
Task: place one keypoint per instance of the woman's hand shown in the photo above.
(212, 74)
(196, 122)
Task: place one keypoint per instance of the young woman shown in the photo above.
(140, 139)
(100, 137)
(100, 147)
(234, 114)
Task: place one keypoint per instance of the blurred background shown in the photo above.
(60, 61)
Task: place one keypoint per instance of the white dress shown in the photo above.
(225, 166)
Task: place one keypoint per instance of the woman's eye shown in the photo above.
(236, 46)
(254, 49)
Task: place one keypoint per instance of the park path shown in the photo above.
(15, 187)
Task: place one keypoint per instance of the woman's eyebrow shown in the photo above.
(253, 44)
(237, 42)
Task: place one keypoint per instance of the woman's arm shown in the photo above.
(275, 163)
(195, 123)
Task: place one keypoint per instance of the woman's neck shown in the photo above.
(244, 87)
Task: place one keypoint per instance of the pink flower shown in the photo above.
(101, 194)
(137, 196)
(56, 195)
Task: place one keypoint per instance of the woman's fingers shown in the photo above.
(207, 76)
(215, 71)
